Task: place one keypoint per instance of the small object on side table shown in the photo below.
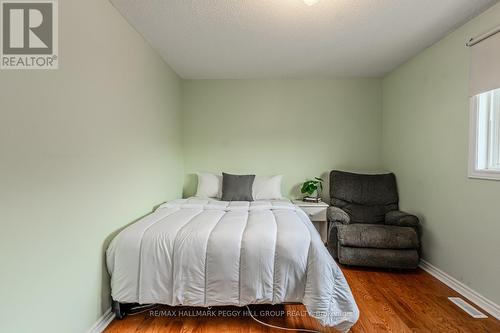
(310, 187)
(317, 214)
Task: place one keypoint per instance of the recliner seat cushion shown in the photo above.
(377, 236)
(362, 213)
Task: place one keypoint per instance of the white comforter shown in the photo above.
(206, 253)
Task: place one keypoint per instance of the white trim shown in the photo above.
(472, 295)
(484, 174)
(473, 171)
(103, 322)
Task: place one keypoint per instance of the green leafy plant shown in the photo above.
(310, 186)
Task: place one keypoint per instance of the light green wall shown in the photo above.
(84, 150)
(425, 139)
(298, 128)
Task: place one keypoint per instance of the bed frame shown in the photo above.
(121, 310)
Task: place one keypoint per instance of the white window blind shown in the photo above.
(485, 66)
(484, 91)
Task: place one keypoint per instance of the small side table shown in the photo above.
(317, 215)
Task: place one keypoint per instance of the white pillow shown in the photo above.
(209, 185)
(267, 187)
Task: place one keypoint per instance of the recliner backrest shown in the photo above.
(366, 198)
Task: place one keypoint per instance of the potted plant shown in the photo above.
(312, 187)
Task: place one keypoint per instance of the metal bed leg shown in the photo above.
(118, 310)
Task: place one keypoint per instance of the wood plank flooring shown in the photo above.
(389, 301)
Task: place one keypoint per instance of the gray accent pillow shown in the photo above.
(237, 187)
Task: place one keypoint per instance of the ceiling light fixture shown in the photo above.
(310, 2)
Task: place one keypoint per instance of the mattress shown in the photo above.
(204, 252)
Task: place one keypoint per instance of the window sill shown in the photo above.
(485, 174)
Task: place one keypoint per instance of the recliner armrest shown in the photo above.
(401, 219)
(336, 214)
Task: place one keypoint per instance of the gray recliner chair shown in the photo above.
(366, 226)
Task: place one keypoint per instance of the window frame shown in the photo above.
(473, 171)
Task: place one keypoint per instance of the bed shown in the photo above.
(206, 252)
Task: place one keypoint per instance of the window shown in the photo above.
(485, 135)
(484, 93)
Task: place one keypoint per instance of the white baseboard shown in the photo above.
(473, 296)
(102, 322)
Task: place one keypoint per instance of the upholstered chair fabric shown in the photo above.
(366, 198)
(366, 226)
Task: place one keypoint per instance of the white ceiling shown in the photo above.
(216, 39)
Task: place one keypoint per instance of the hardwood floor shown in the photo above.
(411, 301)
